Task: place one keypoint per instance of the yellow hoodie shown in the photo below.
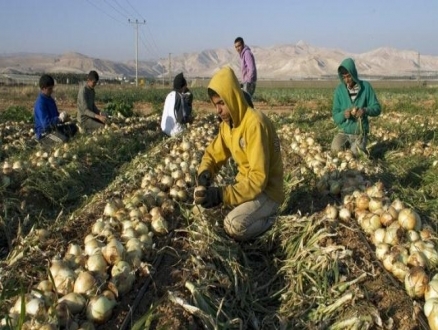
(251, 141)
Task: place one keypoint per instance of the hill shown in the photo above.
(280, 62)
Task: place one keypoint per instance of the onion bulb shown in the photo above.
(431, 312)
(113, 252)
(74, 301)
(431, 289)
(331, 212)
(159, 225)
(85, 284)
(99, 309)
(409, 219)
(416, 281)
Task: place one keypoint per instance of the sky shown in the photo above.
(108, 29)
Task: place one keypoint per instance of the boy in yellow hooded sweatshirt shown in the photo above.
(249, 137)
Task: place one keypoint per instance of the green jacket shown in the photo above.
(251, 141)
(366, 98)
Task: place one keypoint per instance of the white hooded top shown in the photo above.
(169, 124)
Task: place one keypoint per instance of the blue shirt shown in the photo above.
(46, 114)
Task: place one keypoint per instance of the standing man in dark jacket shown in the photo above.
(353, 102)
(89, 116)
(247, 66)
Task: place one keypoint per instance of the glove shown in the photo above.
(63, 116)
(204, 179)
(213, 197)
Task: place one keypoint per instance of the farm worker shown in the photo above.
(248, 137)
(177, 107)
(89, 116)
(247, 66)
(353, 102)
(51, 127)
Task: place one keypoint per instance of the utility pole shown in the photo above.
(170, 70)
(136, 22)
(419, 68)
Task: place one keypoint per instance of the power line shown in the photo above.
(122, 8)
(103, 11)
(124, 16)
(135, 10)
(148, 46)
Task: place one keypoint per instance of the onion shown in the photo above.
(74, 249)
(99, 309)
(344, 214)
(400, 270)
(370, 223)
(159, 225)
(92, 246)
(96, 262)
(398, 205)
(64, 281)
(45, 285)
(416, 281)
(110, 209)
(74, 301)
(378, 236)
(417, 259)
(85, 284)
(409, 219)
(375, 204)
(331, 212)
(362, 202)
(393, 235)
(431, 290)
(388, 216)
(412, 236)
(36, 307)
(431, 312)
(113, 252)
(122, 277)
(381, 250)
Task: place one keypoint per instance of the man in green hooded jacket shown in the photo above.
(353, 102)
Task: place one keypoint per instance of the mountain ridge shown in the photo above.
(280, 62)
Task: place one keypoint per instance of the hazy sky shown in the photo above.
(100, 28)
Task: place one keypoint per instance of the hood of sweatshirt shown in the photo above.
(226, 85)
(350, 66)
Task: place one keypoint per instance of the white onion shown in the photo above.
(331, 212)
(122, 277)
(35, 307)
(85, 284)
(381, 250)
(64, 281)
(431, 312)
(409, 219)
(113, 252)
(75, 302)
(431, 290)
(344, 214)
(416, 281)
(96, 262)
(99, 309)
(159, 225)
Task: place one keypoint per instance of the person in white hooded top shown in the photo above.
(170, 123)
